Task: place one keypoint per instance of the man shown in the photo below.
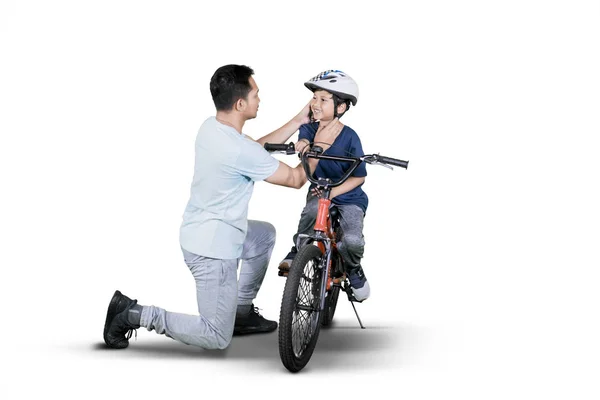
(215, 232)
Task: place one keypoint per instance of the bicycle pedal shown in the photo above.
(283, 271)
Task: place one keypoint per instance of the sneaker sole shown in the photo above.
(110, 314)
(249, 330)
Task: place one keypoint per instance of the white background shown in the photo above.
(482, 256)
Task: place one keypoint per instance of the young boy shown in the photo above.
(334, 91)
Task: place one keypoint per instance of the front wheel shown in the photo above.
(300, 315)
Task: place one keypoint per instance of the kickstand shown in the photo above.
(359, 321)
(346, 288)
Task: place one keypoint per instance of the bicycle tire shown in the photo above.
(299, 327)
(330, 305)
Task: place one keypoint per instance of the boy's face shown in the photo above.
(322, 105)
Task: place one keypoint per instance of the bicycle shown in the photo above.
(318, 272)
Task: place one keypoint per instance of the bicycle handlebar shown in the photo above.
(393, 161)
(317, 152)
(288, 148)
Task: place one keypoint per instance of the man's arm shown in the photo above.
(286, 131)
(296, 177)
(287, 176)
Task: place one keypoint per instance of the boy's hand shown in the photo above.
(332, 194)
(315, 192)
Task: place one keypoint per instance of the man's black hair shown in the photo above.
(229, 84)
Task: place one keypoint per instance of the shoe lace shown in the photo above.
(130, 332)
(356, 277)
(255, 310)
(131, 329)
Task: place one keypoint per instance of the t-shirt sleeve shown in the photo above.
(307, 132)
(357, 150)
(255, 162)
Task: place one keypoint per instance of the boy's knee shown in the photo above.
(353, 243)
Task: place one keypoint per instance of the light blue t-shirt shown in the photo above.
(227, 164)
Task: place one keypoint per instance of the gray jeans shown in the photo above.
(218, 292)
(351, 244)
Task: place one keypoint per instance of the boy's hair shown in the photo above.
(229, 84)
(337, 100)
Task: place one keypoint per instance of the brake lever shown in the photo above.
(291, 148)
(373, 160)
(384, 165)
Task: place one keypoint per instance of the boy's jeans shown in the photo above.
(352, 242)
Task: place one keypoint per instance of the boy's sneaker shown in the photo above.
(359, 284)
(117, 328)
(253, 322)
(286, 263)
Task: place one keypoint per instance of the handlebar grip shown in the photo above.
(279, 147)
(393, 161)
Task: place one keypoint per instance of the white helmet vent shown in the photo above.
(336, 82)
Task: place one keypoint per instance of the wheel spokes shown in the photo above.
(306, 313)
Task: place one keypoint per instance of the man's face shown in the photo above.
(252, 101)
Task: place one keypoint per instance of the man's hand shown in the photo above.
(302, 117)
(326, 135)
(282, 134)
(302, 145)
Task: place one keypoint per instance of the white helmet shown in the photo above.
(336, 82)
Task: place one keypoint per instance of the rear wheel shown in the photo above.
(300, 316)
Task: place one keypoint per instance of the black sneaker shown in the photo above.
(286, 263)
(117, 328)
(359, 284)
(253, 322)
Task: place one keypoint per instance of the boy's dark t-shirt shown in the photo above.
(347, 143)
